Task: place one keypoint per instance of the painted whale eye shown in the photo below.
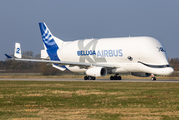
(130, 58)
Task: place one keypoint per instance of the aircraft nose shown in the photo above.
(170, 71)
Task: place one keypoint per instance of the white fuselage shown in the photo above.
(128, 54)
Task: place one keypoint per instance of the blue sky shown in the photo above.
(80, 19)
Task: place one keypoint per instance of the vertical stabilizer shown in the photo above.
(51, 45)
(17, 51)
(47, 37)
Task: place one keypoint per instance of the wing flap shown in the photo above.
(58, 67)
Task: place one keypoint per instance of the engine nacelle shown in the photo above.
(140, 74)
(96, 71)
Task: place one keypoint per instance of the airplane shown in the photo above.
(141, 56)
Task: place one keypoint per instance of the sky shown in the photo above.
(71, 20)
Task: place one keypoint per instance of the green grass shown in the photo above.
(88, 100)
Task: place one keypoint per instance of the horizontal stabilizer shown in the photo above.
(7, 56)
(44, 54)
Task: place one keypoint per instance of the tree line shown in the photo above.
(12, 66)
(174, 62)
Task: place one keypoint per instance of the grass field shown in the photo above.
(88, 100)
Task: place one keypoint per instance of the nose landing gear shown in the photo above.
(153, 77)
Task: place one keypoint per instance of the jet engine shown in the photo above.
(96, 71)
(140, 74)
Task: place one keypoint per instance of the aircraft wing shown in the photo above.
(61, 63)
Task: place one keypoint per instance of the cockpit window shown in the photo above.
(155, 66)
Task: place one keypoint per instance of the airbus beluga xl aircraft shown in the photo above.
(140, 56)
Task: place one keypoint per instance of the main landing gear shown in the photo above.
(115, 77)
(89, 78)
(153, 77)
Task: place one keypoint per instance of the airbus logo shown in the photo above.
(161, 49)
(109, 53)
(93, 56)
(101, 53)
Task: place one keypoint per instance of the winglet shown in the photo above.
(7, 56)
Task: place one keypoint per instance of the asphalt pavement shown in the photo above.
(78, 79)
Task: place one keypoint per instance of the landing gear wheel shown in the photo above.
(119, 78)
(153, 78)
(86, 78)
(115, 77)
(90, 78)
(111, 78)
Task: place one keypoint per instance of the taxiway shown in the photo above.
(78, 79)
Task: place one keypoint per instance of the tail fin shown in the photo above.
(47, 37)
(17, 51)
(51, 43)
